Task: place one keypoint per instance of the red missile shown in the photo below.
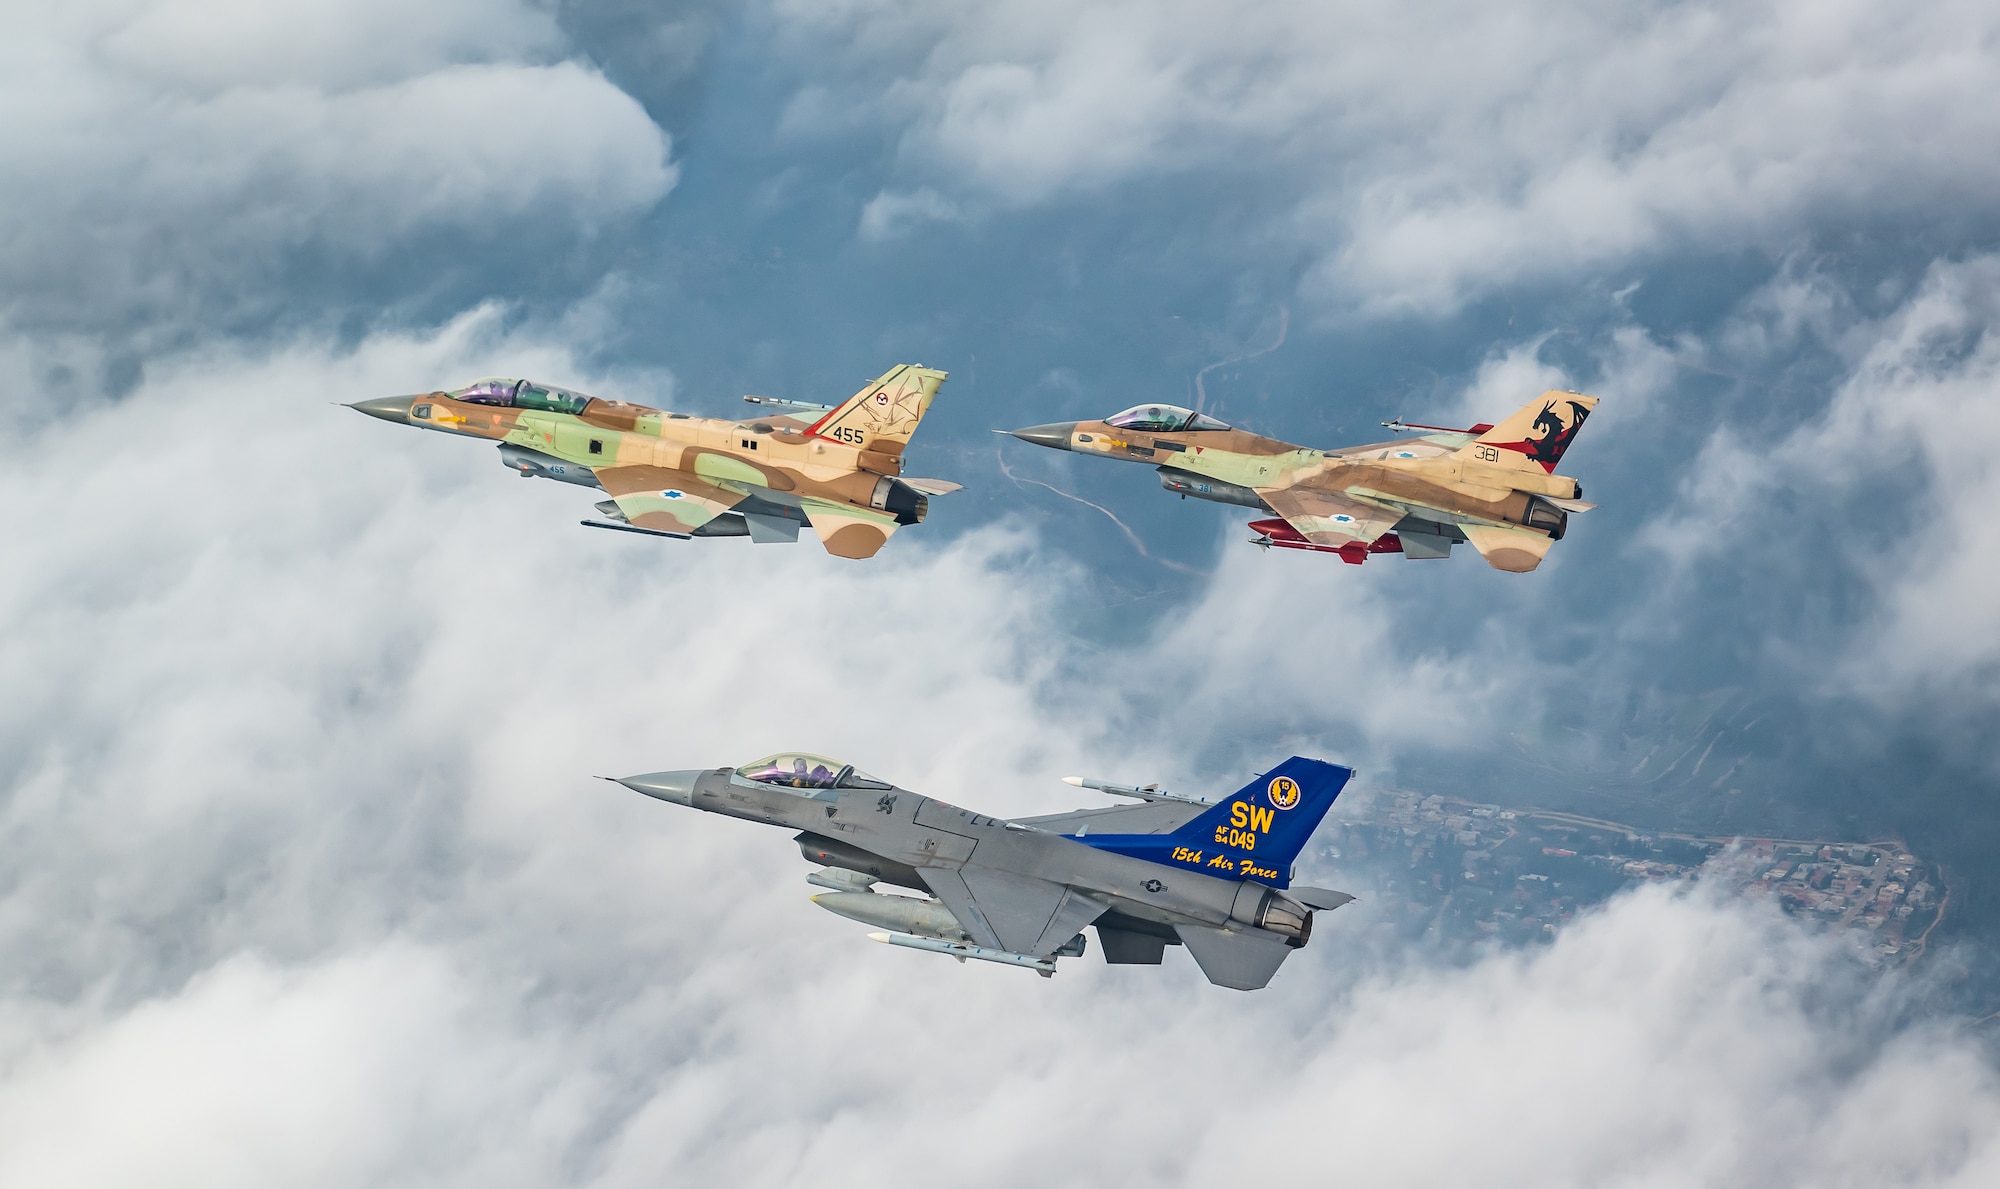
(1284, 536)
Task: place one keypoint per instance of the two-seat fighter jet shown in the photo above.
(835, 468)
(1174, 870)
(1492, 485)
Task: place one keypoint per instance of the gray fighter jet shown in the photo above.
(1215, 877)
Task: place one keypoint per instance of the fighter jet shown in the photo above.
(835, 468)
(1173, 870)
(1492, 485)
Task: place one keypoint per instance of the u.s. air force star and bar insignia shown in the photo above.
(1283, 792)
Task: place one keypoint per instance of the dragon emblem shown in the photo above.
(1555, 436)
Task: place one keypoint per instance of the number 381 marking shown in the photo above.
(1486, 454)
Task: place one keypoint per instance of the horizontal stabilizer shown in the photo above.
(1515, 550)
(848, 531)
(1570, 505)
(934, 486)
(1321, 899)
(1240, 960)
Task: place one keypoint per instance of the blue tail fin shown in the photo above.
(1253, 835)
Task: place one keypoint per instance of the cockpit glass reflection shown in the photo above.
(489, 392)
(1162, 419)
(803, 770)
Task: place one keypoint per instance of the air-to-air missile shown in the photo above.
(1215, 877)
(1494, 486)
(837, 469)
(1046, 967)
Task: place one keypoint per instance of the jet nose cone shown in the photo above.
(388, 408)
(677, 787)
(1054, 435)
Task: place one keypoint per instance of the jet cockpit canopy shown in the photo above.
(1162, 419)
(803, 770)
(493, 391)
(522, 394)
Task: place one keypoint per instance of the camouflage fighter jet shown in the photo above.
(834, 468)
(1173, 870)
(1492, 485)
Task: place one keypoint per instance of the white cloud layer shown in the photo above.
(175, 154)
(310, 886)
(1899, 466)
(1429, 152)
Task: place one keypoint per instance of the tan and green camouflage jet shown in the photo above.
(1492, 485)
(835, 468)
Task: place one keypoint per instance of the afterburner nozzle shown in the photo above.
(1055, 435)
(388, 408)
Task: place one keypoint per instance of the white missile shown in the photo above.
(1143, 792)
(1046, 967)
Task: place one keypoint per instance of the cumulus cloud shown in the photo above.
(314, 887)
(888, 215)
(169, 160)
(1894, 473)
(1428, 153)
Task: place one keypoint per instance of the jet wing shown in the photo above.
(1016, 913)
(1327, 517)
(664, 499)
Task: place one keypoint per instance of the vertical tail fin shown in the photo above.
(1537, 434)
(1268, 822)
(1253, 835)
(882, 416)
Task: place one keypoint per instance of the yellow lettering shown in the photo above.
(1236, 814)
(1222, 833)
(1260, 818)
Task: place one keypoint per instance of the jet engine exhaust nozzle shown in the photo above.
(899, 499)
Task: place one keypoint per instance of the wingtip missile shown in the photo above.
(1402, 426)
(779, 402)
(1143, 792)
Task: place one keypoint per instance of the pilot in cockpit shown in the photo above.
(820, 777)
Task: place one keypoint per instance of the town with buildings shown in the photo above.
(1465, 873)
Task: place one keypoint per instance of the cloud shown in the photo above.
(888, 215)
(1890, 478)
(314, 888)
(171, 163)
(1433, 152)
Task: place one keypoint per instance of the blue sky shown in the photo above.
(303, 709)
